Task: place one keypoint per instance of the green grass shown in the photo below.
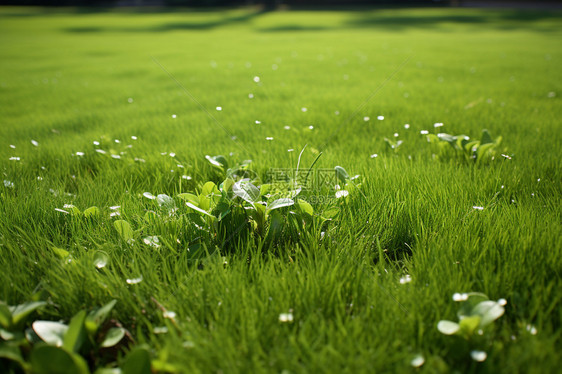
(65, 80)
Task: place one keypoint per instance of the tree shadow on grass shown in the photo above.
(178, 26)
(540, 21)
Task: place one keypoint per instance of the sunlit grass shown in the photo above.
(367, 297)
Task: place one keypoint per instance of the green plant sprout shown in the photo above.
(471, 150)
(476, 312)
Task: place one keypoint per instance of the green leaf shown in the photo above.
(5, 316)
(73, 210)
(8, 335)
(483, 150)
(113, 336)
(473, 298)
(264, 189)
(486, 138)
(62, 253)
(199, 210)
(108, 371)
(166, 202)
(305, 207)
(20, 312)
(469, 324)
(226, 185)
(341, 174)
(137, 362)
(246, 191)
(489, 311)
(97, 317)
(46, 359)
(209, 188)
(223, 210)
(432, 138)
(276, 225)
(124, 230)
(11, 352)
(92, 211)
(50, 332)
(448, 327)
(218, 161)
(193, 199)
(280, 203)
(76, 334)
(100, 259)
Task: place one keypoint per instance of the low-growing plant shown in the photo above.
(89, 340)
(239, 208)
(476, 315)
(466, 148)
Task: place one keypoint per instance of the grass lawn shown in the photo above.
(97, 108)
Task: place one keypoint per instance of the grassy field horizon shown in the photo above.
(112, 108)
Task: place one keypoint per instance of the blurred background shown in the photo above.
(274, 4)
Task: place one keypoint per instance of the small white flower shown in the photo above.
(130, 100)
(479, 356)
(101, 151)
(478, 207)
(532, 329)
(169, 314)
(374, 155)
(286, 317)
(117, 157)
(502, 302)
(438, 124)
(460, 296)
(12, 146)
(172, 154)
(80, 154)
(303, 109)
(96, 142)
(405, 279)
(135, 138)
(258, 122)
(366, 118)
(311, 127)
(186, 177)
(174, 116)
(160, 330)
(287, 127)
(114, 214)
(35, 143)
(14, 158)
(256, 79)
(251, 95)
(417, 361)
(269, 138)
(380, 118)
(219, 108)
(341, 193)
(8, 184)
(134, 280)
(407, 126)
(424, 132)
(396, 135)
